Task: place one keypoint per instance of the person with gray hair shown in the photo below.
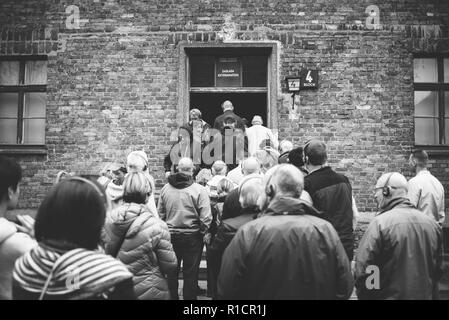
(284, 149)
(424, 190)
(259, 134)
(185, 206)
(232, 207)
(249, 192)
(301, 252)
(400, 254)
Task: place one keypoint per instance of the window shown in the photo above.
(23, 84)
(431, 96)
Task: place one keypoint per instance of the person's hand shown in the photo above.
(167, 174)
(207, 238)
(27, 225)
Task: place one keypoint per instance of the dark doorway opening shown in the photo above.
(246, 105)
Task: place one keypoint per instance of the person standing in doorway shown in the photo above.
(228, 112)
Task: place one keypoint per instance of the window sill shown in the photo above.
(13, 149)
(435, 150)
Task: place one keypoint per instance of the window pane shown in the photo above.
(9, 104)
(426, 103)
(446, 129)
(425, 70)
(34, 131)
(202, 71)
(426, 131)
(254, 71)
(446, 70)
(8, 131)
(9, 72)
(34, 106)
(446, 104)
(36, 72)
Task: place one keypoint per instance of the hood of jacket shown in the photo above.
(7, 229)
(128, 219)
(290, 206)
(180, 180)
(43, 263)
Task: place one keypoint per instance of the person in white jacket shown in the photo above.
(257, 134)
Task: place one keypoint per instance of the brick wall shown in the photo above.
(113, 83)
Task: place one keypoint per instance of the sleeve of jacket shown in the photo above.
(167, 161)
(166, 256)
(273, 139)
(414, 193)
(233, 266)
(204, 210)
(345, 279)
(367, 255)
(161, 206)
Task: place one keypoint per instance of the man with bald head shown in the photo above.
(399, 256)
(227, 117)
(289, 252)
(232, 207)
(331, 193)
(185, 206)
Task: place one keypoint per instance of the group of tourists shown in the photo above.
(276, 222)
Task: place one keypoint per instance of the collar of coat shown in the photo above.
(395, 202)
(290, 206)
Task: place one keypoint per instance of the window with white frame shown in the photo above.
(23, 100)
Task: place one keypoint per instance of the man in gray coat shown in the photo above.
(287, 253)
(185, 206)
(400, 254)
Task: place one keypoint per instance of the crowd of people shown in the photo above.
(276, 222)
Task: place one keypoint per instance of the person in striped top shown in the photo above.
(66, 263)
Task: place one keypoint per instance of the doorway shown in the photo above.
(243, 73)
(246, 105)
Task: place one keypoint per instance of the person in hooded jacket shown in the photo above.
(288, 252)
(400, 255)
(185, 207)
(139, 239)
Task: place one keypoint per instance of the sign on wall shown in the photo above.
(309, 79)
(229, 72)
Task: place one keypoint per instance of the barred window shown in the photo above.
(23, 100)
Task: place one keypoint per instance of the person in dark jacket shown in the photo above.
(185, 207)
(195, 117)
(139, 239)
(249, 193)
(66, 263)
(228, 112)
(289, 252)
(191, 145)
(400, 254)
(331, 193)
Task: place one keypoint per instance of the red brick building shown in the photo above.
(78, 93)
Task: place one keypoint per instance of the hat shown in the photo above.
(137, 160)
